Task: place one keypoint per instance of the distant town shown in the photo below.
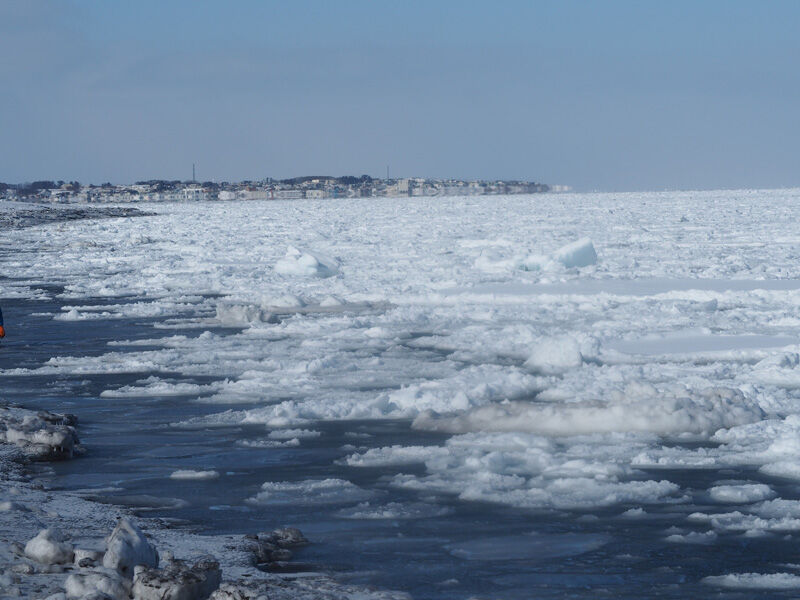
(311, 187)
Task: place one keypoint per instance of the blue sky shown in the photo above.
(599, 95)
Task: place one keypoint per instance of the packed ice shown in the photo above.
(628, 353)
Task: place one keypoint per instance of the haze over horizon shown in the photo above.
(615, 96)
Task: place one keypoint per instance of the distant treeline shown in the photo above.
(161, 185)
(158, 185)
(34, 187)
(343, 180)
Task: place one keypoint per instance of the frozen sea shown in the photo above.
(548, 396)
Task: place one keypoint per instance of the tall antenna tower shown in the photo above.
(387, 172)
(194, 179)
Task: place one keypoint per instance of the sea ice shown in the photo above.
(306, 263)
(555, 380)
(529, 547)
(128, 547)
(693, 537)
(177, 580)
(580, 253)
(49, 547)
(102, 581)
(184, 474)
(309, 492)
(551, 356)
(637, 409)
(741, 494)
(394, 510)
(288, 434)
(40, 435)
(755, 581)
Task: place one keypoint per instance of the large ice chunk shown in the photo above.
(49, 547)
(555, 355)
(306, 263)
(40, 435)
(638, 409)
(101, 581)
(127, 547)
(580, 253)
(177, 581)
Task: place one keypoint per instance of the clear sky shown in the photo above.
(604, 95)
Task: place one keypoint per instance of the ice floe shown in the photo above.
(306, 263)
(592, 353)
(184, 474)
(309, 492)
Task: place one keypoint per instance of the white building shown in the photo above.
(287, 194)
(194, 193)
(254, 195)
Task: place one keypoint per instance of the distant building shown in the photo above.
(194, 194)
(287, 194)
(254, 195)
(401, 188)
(315, 188)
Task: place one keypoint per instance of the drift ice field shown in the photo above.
(549, 396)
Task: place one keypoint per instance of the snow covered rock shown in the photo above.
(127, 547)
(306, 264)
(49, 547)
(87, 558)
(274, 547)
(98, 583)
(177, 581)
(238, 591)
(288, 537)
(580, 253)
(552, 356)
(40, 435)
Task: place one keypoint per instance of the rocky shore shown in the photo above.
(28, 214)
(59, 546)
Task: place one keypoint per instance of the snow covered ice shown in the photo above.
(456, 385)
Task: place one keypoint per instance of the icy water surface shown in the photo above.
(434, 393)
(433, 546)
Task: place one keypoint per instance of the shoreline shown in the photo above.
(32, 214)
(26, 508)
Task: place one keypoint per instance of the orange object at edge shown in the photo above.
(2, 332)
